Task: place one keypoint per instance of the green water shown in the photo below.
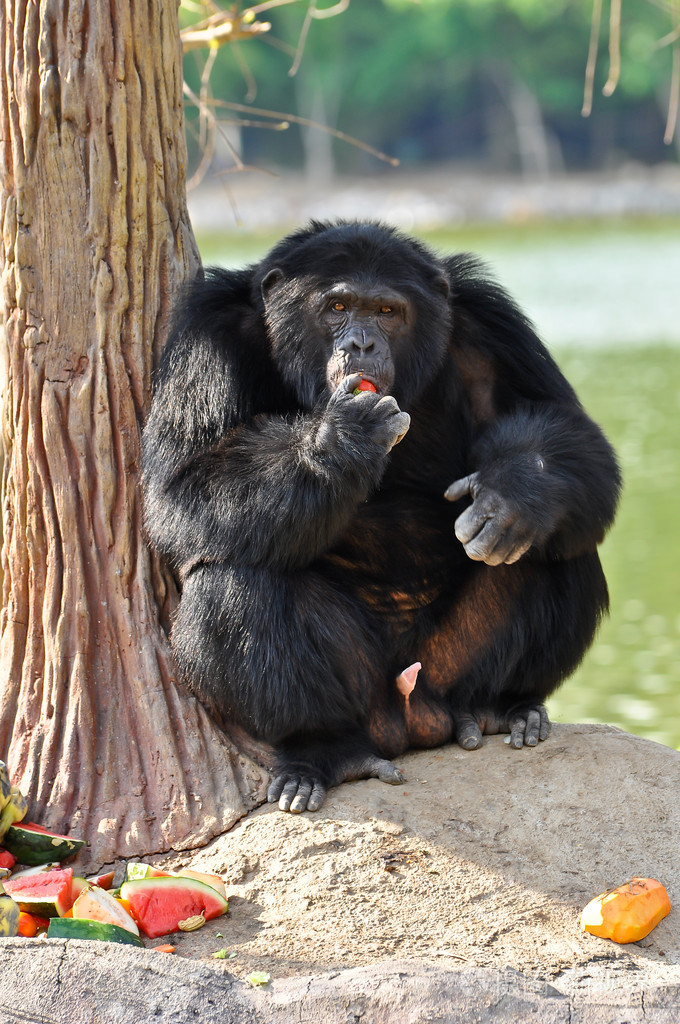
(631, 677)
(606, 298)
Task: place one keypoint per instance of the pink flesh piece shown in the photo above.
(407, 679)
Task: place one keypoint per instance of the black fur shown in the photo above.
(317, 561)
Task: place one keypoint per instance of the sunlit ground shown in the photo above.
(606, 298)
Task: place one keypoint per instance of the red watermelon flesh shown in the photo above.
(159, 904)
(32, 827)
(47, 893)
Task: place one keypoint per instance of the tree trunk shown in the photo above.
(95, 242)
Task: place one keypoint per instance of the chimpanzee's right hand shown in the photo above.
(379, 419)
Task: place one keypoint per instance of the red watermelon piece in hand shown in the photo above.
(365, 385)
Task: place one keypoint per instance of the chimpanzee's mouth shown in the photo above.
(370, 379)
(380, 378)
(360, 377)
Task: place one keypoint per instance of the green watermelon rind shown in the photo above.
(32, 847)
(80, 928)
(37, 905)
(213, 903)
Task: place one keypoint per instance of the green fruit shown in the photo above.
(5, 785)
(9, 916)
(136, 870)
(79, 928)
(14, 810)
(33, 844)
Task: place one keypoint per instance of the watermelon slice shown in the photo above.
(215, 881)
(48, 894)
(7, 860)
(33, 844)
(39, 869)
(95, 904)
(139, 869)
(159, 904)
(74, 928)
(104, 881)
(78, 885)
(364, 385)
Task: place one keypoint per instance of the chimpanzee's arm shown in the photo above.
(233, 470)
(542, 474)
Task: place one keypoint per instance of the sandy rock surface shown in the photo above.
(470, 878)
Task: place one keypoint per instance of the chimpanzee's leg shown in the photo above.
(508, 640)
(295, 663)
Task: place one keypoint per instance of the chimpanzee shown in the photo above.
(332, 540)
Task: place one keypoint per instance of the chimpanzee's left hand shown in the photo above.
(493, 529)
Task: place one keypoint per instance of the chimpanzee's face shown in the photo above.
(340, 312)
(364, 327)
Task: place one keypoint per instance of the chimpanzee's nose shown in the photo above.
(360, 340)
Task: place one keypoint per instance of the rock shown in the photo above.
(453, 898)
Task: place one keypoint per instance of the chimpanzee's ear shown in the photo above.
(269, 281)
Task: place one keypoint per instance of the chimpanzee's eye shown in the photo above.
(338, 307)
(386, 310)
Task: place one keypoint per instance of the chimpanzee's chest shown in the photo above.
(399, 552)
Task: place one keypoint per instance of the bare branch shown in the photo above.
(592, 59)
(222, 29)
(614, 48)
(674, 98)
(306, 122)
(228, 26)
(666, 40)
(205, 113)
(309, 14)
(278, 44)
(672, 38)
(197, 6)
(276, 126)
(269, 4)
(248, 76)
(207, 147)
(330, 12)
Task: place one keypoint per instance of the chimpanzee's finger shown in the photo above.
(275, 787)
(388, 772)
(301, 799)
(317, 797)
(517, 731)
(468, 733)
(288, 793)
(459, 488)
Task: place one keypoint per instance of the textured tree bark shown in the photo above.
(95, 241)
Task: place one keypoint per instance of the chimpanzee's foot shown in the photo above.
(296, 792)
(299, 785)
(526, 724)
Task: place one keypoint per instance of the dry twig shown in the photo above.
(229, 26)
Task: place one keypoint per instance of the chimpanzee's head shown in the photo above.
(355, 298)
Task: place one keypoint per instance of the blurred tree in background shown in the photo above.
(493, 84)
